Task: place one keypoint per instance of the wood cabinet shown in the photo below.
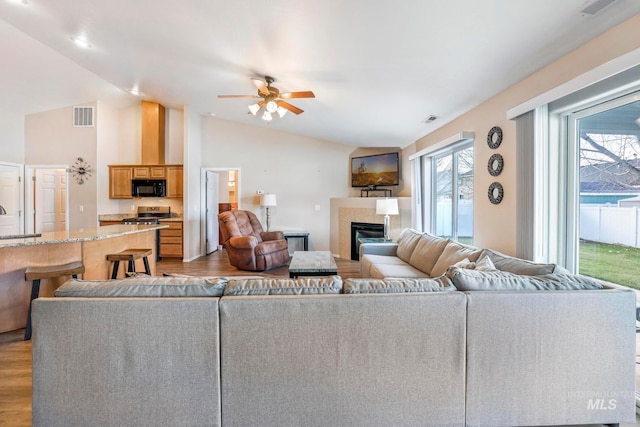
(120, 182)
(149, 172)
(171, 240)
(175, 181)
(120, 177)
(153, 139)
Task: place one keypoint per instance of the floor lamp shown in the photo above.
(268, 200)
(386, 207)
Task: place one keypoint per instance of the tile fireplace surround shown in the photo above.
(344, 211)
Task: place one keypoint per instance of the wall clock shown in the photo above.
(496, 193)
(81, 170)
(495, 165)
(494, 138)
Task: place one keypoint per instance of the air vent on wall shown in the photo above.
(82, 117)
(430, 119)
(596, 6)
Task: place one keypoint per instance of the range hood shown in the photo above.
(153, 133)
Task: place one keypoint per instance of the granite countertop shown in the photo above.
(120, 217)
(172, 219)
(81, 235)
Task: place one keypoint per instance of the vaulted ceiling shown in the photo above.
(378, 68)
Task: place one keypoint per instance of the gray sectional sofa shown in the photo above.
(420, 255)
(187, 351)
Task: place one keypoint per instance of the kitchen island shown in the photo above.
(89, 245)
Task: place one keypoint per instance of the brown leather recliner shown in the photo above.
(248, 246)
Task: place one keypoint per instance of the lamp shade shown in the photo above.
(253, 108)
(268, 200)
(387, 206)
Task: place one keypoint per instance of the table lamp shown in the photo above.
(386, 207)
(268, 200)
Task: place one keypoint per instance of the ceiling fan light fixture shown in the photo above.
(281, 111)
(253, 109)
(271, 106)
(272, 99)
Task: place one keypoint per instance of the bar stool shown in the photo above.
(47, 272)
(130, 255)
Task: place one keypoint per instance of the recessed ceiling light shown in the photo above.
(134, 92)
(20, 2)
(81, 42)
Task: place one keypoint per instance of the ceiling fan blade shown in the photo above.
(289, 107)
(238, 96)
(262, 86)
(303, 94)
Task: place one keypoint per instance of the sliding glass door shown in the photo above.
(452, 194)
(604, 191)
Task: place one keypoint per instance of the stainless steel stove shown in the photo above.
(141, 221)
(154, 212)
(150, 215)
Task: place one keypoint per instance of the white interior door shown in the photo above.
(10, 183)
(50, 200)
(212, 200)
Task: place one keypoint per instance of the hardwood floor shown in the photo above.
(217, 264)
(15, 353)
(15, 379)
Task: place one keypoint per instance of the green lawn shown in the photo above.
(614, 263)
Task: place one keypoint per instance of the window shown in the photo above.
(604, 191)
(444, 179)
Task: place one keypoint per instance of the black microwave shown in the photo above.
(148, 188)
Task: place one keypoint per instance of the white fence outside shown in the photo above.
(610, 224)
(604, 224)
(465, 218)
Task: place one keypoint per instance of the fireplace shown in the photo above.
(362, 230)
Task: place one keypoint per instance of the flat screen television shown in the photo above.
(375, 170)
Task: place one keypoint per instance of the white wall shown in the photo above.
(107, 123)
(174, 138)
(193, 215)
(129, 143)
(11, 137)
(51, 139)
(302, 172)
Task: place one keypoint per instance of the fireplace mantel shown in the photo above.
(346, 210)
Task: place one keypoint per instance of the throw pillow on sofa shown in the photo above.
(520, 266)
(454, 252)
(407, 244)
(276, 286)
(427, 251)
(397, 285)
(484, 263)
(496, 280)
(150, 287)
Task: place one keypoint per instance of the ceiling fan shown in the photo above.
(272, 99)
